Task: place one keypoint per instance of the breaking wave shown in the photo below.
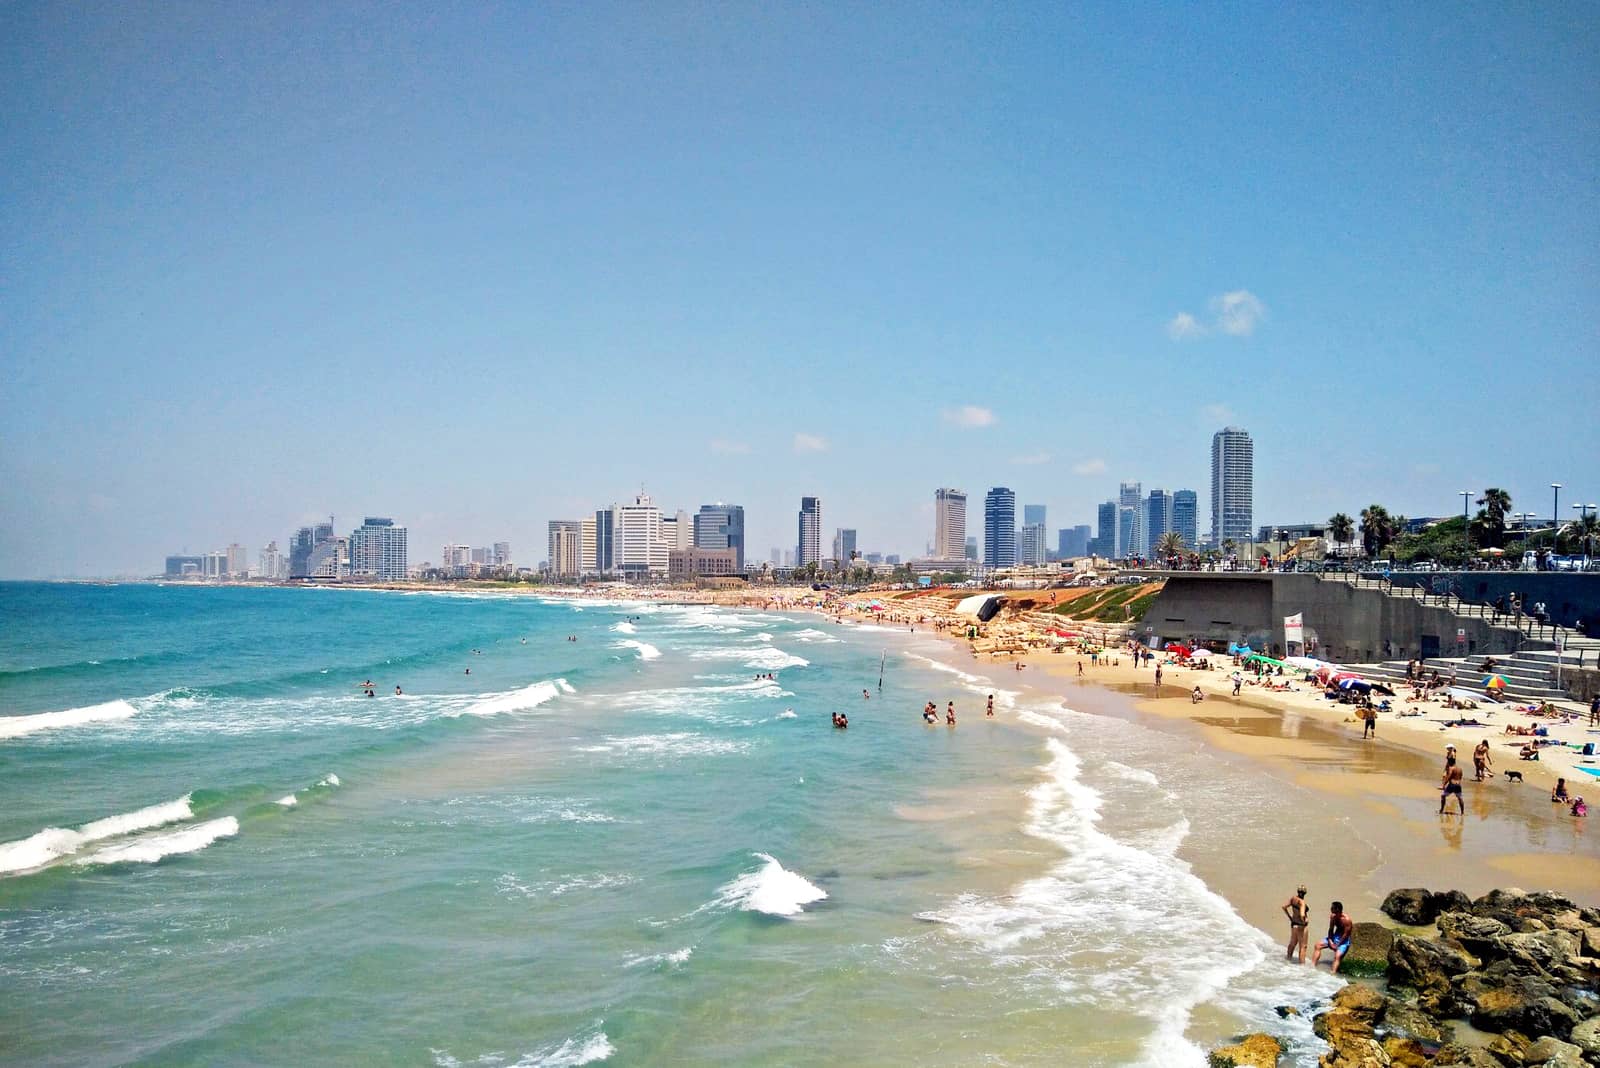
(772, 889)
(645, 649)
(150, 848)
(531, 696)
(756, 657)
(17, 726)
(53, 843)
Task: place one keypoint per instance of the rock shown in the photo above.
(1553, 1053)
(1408, 1021)
(1591, 942)
(1413, 906)
(1251, 1051)
(1545, 901)
(1475, 934)
(1368, 954)
(1405, 1052)
(1538, 951)
(1466, 1057)
(1424, 965)
(1286, 1011)
(1509, 1047)
(1450, 901)
(1356, 1053)
(1360, 1001)
(1567, 920)
(1522, 1007)
(1586, 1036)
(1510, 899)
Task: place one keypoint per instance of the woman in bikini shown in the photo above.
(1299, 922)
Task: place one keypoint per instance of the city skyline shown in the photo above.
(908, 253)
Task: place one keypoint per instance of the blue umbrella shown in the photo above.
(1361, 685)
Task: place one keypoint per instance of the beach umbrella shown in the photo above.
(1305, 663)
(1359, 685)
(1494, 682)
(1200, 654)
(1464, 696)
(1178, 649)
(1265, 659)
(1340, 676)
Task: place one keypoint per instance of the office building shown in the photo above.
(1031, 548)
(304, 544)
(1000, 528)
(949, 524)
(808, 547)
(695, 562)
(1233, 464)
(1185, 516)
(971, 549)
(1157, 519)
(378, 550)
(1130, 541)
(330, 559)
(1033, 513)
(641, 551)
(502, 554)
(1105, 539)
(566, 548)
(1073, 542)
(844, 545)
(721, 526)
(605, 540)
(586, 547)
(270, 563)
(184, 566)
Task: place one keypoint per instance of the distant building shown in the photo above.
(1185, 515)
(586, 550)
(1031, 548)
(641, 551)
(874, 558)
(694, 562)
(1074, 542)
(377, 550)
(185, 566)
(893, 559)
(949, 524)
(330, 559)
(605, 540)
(1157, 519)
(1000, 527)
(1130, 542)
(721, 526)
(1233, 463)
(1105, 540)
(502, 554)
(566, 548)
(305, 542)
(971, 552)
(788, 558)
(1290, 532)
(270, 564)
(1033, 513)
(808, 547)
(844, 545)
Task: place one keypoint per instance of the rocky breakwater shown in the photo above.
(1509, 980)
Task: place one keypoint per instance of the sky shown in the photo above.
(479, 267)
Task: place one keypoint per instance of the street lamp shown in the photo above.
(1555, 507)
(1466, 531)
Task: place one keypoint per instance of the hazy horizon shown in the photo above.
(483, 270)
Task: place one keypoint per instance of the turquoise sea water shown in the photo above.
(628, 848)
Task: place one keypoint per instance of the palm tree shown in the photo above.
(1377, 529)
(1341, 528)
(1496, 505)
(1229, 546)
(1170, 545)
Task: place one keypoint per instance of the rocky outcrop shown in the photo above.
(1251, 1051)
(1524, 967)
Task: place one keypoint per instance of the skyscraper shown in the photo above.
(1031, 548)
(1185, 512)
(641, 549)
(378, 550)
(1106, 533)
(1073, 543)
(1033, 513)
(605, 540)
(1131, 542)
(844, 544)
(1233, 464)
(1157, 519)
(949, 524)
(586, 551)
(502, 554)
(1000, 528)
(721, 526)
(970, 550)
(566, 548)
(271, 564)
(808, 547)
(1127, 531)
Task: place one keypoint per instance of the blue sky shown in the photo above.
(483, 268)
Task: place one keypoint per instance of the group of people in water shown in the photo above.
(1341, 930)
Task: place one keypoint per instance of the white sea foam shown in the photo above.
(811, 634)
(287, 801)
(787, 713)
(53, 843)
(1102, 900)
(758, 658)
(681, 743)
(625, 628)
(1132, 774)
(645, 650)
(566, 687)
(329, 779)
(149, 848)
(508, 885)
(529, 697)
(655, 960)
(772, 889)
(17, 726)
(587, 1048)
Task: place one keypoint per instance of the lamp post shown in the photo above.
(1555, 507)
(1466, 531)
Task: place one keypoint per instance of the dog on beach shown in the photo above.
(1513, 776)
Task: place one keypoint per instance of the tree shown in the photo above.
(1170, 545)
(1496, 505)
(1377, 529)
(1229, 546)
(1341, 528)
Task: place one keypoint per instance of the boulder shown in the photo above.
(1550, 1052)
(1413, 906)
(1356, 1053)
(1368, 954)
(1521, 1007)
(1361, 1001)
(1286, 1011)
(1405, 1052)
(1548, 902)
(1475, 934)
(1567, 920)
(1450, 901)
(1586, 1036)
(1509, 1047)
(1251, 1051)
(1591, 942)
(1508, 899)
(1425, 965)
(1539, 951)
(1466, 1057)
(1408, 1021)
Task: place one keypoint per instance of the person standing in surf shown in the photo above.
(1299, 923)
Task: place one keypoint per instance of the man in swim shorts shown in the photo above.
(1340, 930)
(1452, 785)
(1299, 922)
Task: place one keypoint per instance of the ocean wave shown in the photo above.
(771, 888)
(150, 848)
(53, 843)
(674, 959)
(529, 697)
(787, 713)
(508, 885)
(645, 649)
(587, 1048)
(625, 628)
(811, 634)
(17, 726)
(287, 801)
(758, 658)
(682, 743)
(1103, 900)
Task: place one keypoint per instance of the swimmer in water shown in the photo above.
(990, 711)
(397, 691)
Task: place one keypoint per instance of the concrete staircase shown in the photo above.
(1526, 680)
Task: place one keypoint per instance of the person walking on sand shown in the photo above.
(1452, 785)
(1340, 930)
(1482, 761)
(1594, 711)
(1158, 676)
(990, 711)
(1238, 681)
(1080, 669)
(1299, 923)
(1369, 716)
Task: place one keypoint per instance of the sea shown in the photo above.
(568, 832)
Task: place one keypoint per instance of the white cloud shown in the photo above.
(1032, 458)
(969, 416)
(1095, 466)
(1238, 312)
(729, 448)
(809, 443)
(1183, 327)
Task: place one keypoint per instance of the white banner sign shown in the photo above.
(1294, 629)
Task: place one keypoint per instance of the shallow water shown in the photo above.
(627, 847)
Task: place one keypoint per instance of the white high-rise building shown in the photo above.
(1233, 466)
(640, 549)
(566, 548)
(271, 562)
(949, 524)
(808, 546)
(586, 540)
(378, 550)
(1130, 542)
